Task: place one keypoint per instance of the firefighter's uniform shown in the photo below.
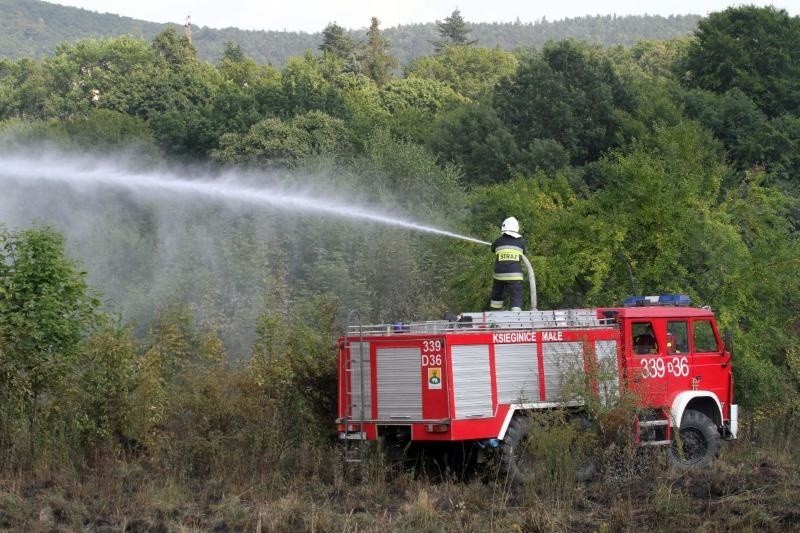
(508, 251)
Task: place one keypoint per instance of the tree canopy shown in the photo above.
(755, 50)
(668, 166)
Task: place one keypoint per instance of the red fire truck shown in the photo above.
(477, 379)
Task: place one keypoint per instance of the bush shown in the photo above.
(45, 311)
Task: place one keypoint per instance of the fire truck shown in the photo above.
(478, 378)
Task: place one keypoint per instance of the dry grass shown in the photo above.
(752, 486)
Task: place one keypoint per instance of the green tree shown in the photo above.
(752, 139)
(178, 95)
(233, 53)
(326, 135)
(454, 31)
(106, 374)
(649, 59)
(662, 200)
(242, 98)
(8, 105)
(419, 94)
(336, 41)
(178, 105)
(99, 131)
(471, 72)
(753, 49)
(174, 49)
(104, 128)
(234, 108)
(293, 362)
(473, 137)
(110, 73)
(403, 173)
(274, 142)
(339, 52)
(784, 162)
(23, 89)
(363, 107)
(45, 312)
(415, 104)
(569, 93)
(761, 299)
(736, 120)
(376, 62)
(238, 68)
(305, 88)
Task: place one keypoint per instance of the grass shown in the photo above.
(752, 486)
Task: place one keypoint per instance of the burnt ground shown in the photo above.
(752, 486)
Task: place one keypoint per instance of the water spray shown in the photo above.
(76, 172)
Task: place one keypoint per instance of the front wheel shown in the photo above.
(516, 455)
(697, 442)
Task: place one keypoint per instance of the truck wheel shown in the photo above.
(516, 457)
(697, 442)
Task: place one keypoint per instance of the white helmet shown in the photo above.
(510, 227)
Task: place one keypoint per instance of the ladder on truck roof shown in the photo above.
(539, 319)
(479, 322)
(354, 442)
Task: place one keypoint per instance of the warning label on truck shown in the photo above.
(434, 378)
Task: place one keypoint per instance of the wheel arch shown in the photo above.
(705, 402)
(524, 409)
(507, 421)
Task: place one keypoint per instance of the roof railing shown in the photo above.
(482, 322)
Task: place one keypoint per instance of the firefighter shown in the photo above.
(508, 249)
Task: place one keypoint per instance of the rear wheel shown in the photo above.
(697, 442)
(516, 455)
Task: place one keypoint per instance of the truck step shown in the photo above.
(653, 423)
(655, 443)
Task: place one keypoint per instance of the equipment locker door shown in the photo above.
(410, 380)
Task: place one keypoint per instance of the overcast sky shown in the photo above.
(314, 15)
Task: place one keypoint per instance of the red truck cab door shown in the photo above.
(710, 369)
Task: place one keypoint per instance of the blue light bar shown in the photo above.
(679, 300)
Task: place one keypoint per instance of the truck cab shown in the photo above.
(678, 367)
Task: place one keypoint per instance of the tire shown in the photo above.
(697, 443)
(516, 458)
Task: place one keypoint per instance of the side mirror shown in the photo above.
(728, 340)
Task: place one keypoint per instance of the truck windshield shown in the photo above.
(704, 339)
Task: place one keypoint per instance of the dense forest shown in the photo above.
(169, 363)
(32, 28)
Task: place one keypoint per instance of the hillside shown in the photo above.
(31, 28)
